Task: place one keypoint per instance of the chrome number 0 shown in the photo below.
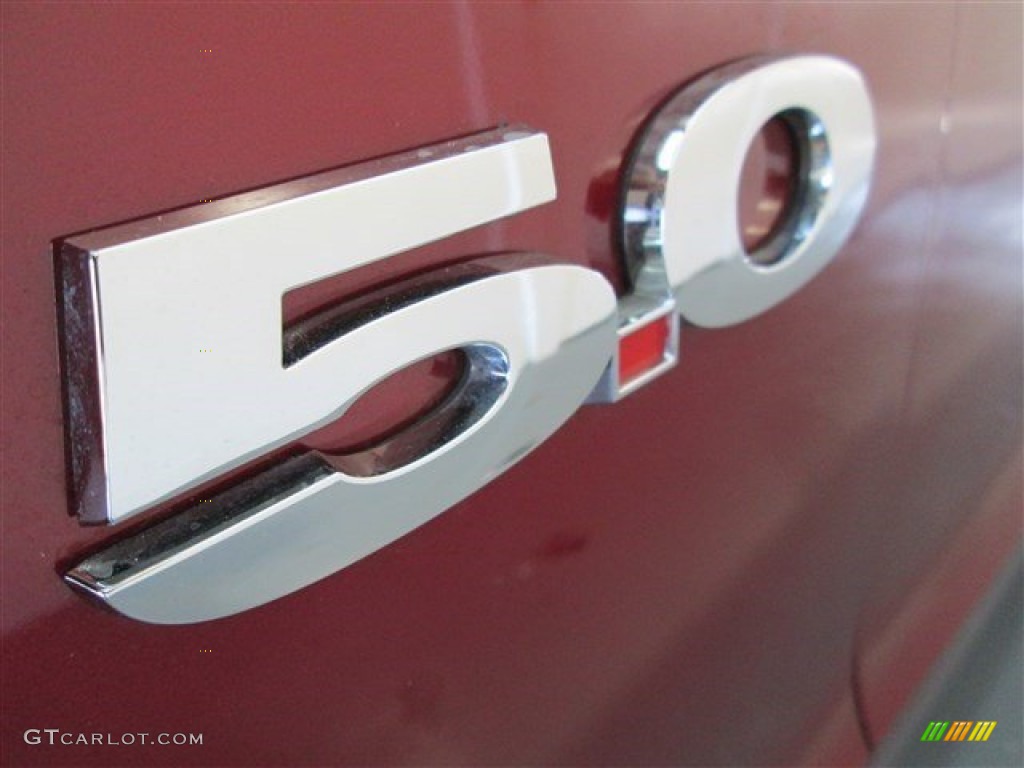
(169, 415)
(695, 149)
(677, 223)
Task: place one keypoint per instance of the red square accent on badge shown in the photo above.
(643, 349)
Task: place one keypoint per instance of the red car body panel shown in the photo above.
(753, 560)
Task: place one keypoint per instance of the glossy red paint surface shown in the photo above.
(703, 573)
(954, 492)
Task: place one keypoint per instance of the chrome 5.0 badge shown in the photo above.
(179, 370)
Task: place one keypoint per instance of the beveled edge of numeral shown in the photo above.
(275, 194)
(116, 566)
(638, 230)
(80, 342)
(79, 306)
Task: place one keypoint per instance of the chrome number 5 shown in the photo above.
(178, 371)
